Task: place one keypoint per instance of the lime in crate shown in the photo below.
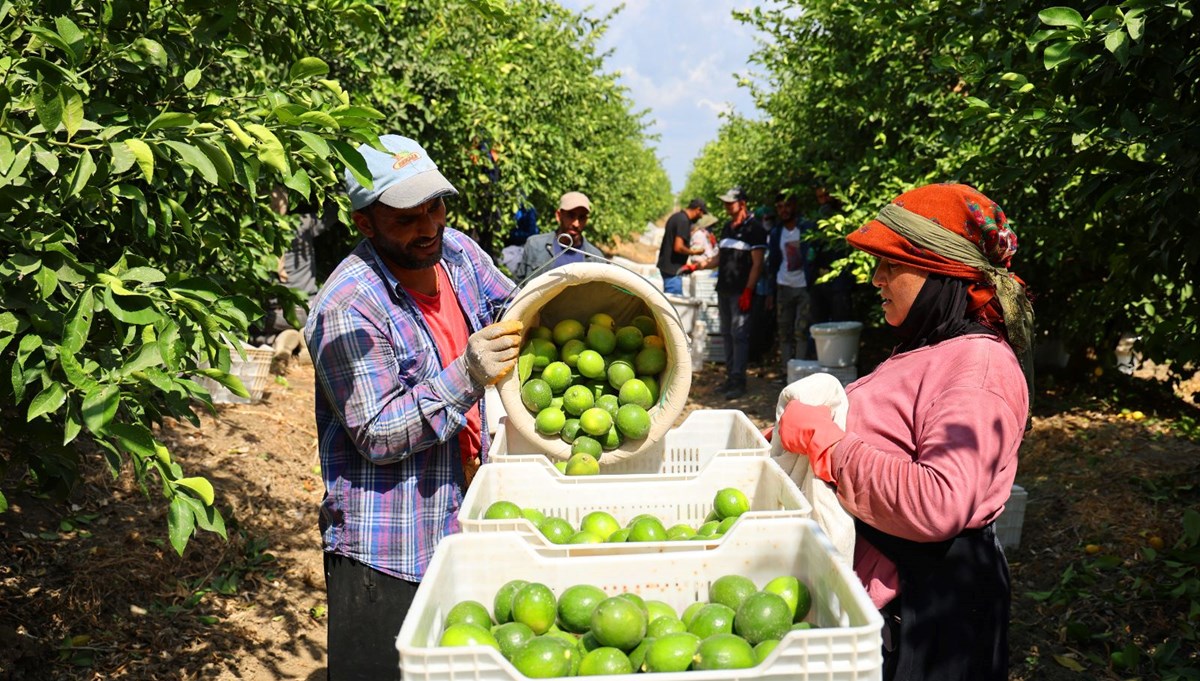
(842, 645)
(688, 500)
(703, 436)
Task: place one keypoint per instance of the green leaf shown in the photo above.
(47, 402)
(220, 159)
(166, 345)
(197, 159)
(134, 438)
(73, 424)
(48, 105)
(145, 357)
(72, 111)
(3, 503)
(75, 38)
(1135, 25)
(170, 119)
(1057, 53)
(1115, 41)
(122, 158)
(79, 322)
(240, 135)
(131, 309)
(320, 118)
(1061, 16)
(316, 143)
(271, 149)
(51, 38)
(353, 161)
(192, 78)
(46, 280)
(1068, 662)
(74, 371)
(144, 155)
(143, 275)
(202, 487)
(308, 67)
(83, 173)
(228, 380)
(99, 407)
(46, 158)
(180, 524)
(151, 50)
(300, 182)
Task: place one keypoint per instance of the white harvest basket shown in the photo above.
(844, 646)
(672, 499)
(703, 435)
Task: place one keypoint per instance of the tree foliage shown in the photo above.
(139, 143)
(1079, 121)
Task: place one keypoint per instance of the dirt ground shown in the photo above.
(92, 590)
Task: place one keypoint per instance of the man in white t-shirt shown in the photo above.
(792, 302)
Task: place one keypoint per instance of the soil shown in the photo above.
(93, 590)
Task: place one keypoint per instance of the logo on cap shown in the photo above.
(405, 158)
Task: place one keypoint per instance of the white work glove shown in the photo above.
(492, 351)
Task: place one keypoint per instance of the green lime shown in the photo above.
(803, 603)
(638, 601)
(672, 652)
(582, 464)
(786, 587)
(601, 339)
(600, 523)
(605, 662)
(650, 360)
(724, 651)
(602, 319)
(680, 531)
(633, 421)
(502, 604)
(568, 330)
(644, 324)
(544, 353)
(651, 385)
(762, 617)
(511, 636)
(763, 649)
(618, 537)
(725, 525)
(584, 445)
(588, 642)
(619, 623)
(578, 399)
(502, 510)
(708, 529)
(457, 635)
(612, 439)
(569, 353)
(542, 332)
(591, 364)
(689, 613)
(561, 466)
(620, 371)
(610, 404)
(534, 606)
(536, 395)
(533, 515)
(570, 431)
(653, 341)
(661, 626)
(595, 421)
(629, 339)
(557, 402)
(550, 421)
(635, 392)
(731, 590)
(558, 376)
(713, 618)
(647, 529)
(576, 605)
(656, 609)
(801, 626)
(545, 657)
(637, 656)
(582, 537)
(557, 530)
(640, 516)
(469, 612)
(730, 502)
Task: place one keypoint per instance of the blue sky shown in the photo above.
(680, 59)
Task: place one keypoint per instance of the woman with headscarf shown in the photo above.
(929, 453)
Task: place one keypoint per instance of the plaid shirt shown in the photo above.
(388, 415)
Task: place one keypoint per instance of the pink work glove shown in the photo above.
(745, 300)
(810, 431)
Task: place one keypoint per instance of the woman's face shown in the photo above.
(899, 285)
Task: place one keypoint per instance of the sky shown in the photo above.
(681, 60)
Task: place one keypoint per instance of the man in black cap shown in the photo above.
(675, 249)
(743, 245)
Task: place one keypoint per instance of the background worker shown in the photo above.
(742, 245)
(677, 245)
(574, 211)
(403, 344)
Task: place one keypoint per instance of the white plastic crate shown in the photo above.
(534, 483)
(254, 372)
(687, 308)
(716, 348)
(1008, 525)
(844, 646)
(704, 435)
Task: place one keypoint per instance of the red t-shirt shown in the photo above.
(449, 329)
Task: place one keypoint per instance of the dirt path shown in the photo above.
(95, 592)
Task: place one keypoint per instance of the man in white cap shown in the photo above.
(573, 212)
(403, 344)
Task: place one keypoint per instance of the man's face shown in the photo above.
(734, 208)
(786, 210)
(572, 223)
(409, 238)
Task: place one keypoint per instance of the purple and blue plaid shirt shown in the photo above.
(388, 415)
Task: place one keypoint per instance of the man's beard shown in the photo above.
(407, 261)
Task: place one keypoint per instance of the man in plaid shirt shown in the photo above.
(403, 344)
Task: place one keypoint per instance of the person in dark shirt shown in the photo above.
(742, 244)
(676, 246)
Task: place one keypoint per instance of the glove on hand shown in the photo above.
(687, 269)
(810, 431)
(745, 300)
(492, 351)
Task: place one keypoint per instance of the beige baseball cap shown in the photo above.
(573, 200)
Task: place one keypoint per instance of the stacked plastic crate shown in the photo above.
(703, 287)
(675, 481)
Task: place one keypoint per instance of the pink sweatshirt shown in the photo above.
(931, 447)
